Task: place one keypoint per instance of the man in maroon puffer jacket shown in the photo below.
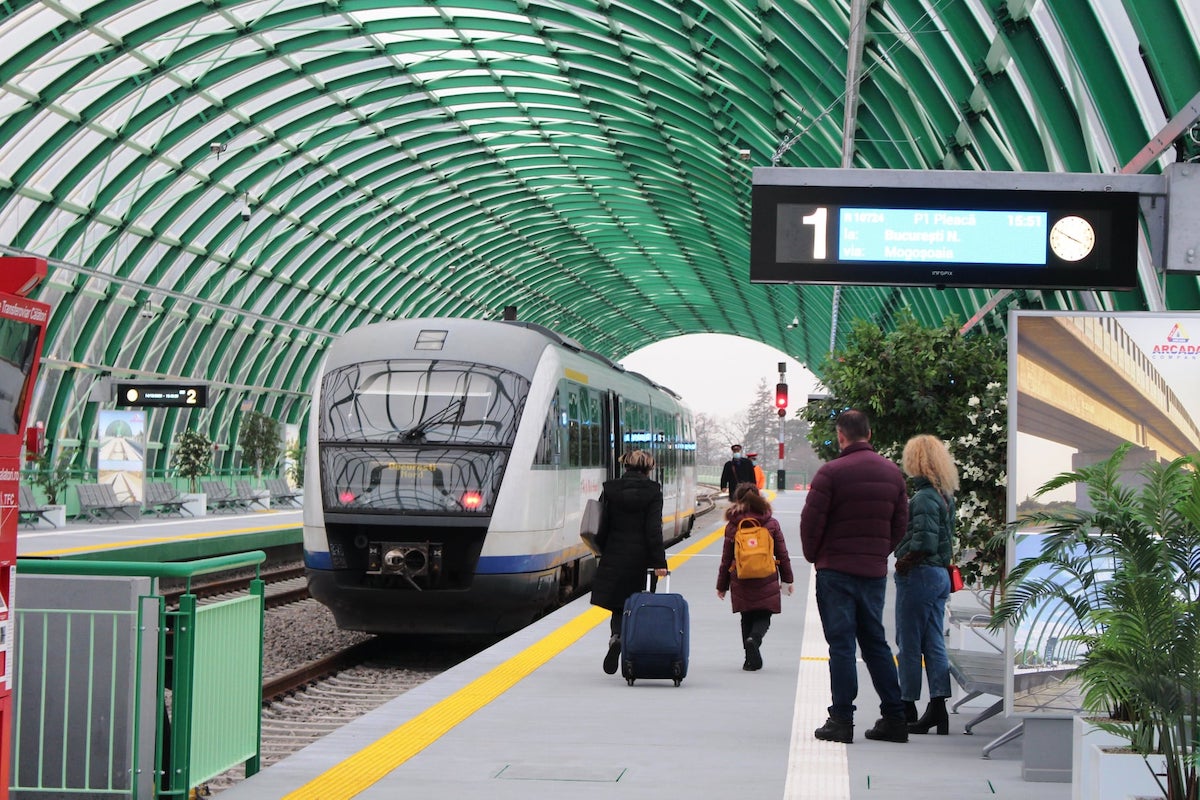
(854, 516)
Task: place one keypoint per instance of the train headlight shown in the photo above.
(471, 501)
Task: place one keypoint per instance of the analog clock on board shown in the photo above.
(1072, 238)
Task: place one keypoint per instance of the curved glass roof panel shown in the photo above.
(222, 189)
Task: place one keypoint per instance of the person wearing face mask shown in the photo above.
(737, 469)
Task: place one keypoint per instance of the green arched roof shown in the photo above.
(222, 187)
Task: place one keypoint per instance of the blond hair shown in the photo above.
(638, 460)
(927, 456)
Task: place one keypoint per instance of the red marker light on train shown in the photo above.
(346, 497)
(471, 500)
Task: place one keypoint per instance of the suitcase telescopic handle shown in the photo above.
(650, 580)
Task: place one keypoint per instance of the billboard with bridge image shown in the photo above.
(1081, 384)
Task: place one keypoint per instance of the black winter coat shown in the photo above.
(630, 538)
(735, 471)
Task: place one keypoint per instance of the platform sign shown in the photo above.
(22, 329)
(943, 229)
(162, 395)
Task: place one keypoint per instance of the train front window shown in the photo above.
(422, 402)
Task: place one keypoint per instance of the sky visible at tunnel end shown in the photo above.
(718, 374)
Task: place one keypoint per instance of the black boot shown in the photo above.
(753, 655)
(935, 716)
(836, 730)
(910, 711)
(889, 729)
(612, 658)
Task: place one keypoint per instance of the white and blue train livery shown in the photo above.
(451, 461)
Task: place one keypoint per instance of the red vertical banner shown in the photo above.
(22, 330)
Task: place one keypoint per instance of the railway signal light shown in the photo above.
(781, 395)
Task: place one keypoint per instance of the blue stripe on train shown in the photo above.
(488, 565)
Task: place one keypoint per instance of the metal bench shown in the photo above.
(98, 501)
(29, 510)
(165, 501)
(247, 495)
(979, 673)
(219, 497)
(281, 494)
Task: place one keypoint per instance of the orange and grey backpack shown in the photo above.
(753, 551)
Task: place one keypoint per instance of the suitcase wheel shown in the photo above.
(678, 681)
(629, 681)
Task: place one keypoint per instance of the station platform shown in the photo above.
(536, 717)
(163, 538)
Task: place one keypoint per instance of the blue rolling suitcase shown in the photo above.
(654, 636)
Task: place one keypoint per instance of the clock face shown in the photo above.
(1072, 238)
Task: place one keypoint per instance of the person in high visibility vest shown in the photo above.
(760, 477)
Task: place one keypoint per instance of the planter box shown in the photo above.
(195, 502)
(1104, 773)
(57, 515)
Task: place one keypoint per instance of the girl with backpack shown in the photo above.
(754, 595)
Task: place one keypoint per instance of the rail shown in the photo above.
(180, 689)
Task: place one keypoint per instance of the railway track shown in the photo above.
(284, 584)
(317, 698)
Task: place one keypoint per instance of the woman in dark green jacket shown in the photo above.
(922, 583)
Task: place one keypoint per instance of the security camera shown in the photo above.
(246, 213)
(217, 148)
(744, 155)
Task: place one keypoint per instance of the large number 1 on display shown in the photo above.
(818, 220)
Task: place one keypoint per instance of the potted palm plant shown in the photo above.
(1129, 568)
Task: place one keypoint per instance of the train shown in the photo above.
(453, 460)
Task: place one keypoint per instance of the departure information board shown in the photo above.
(940, 236)
(168, 395)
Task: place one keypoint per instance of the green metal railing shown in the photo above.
(207, 684)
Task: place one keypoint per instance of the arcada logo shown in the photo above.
(1178, 344)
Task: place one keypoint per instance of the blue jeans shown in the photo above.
(920, 611)
(851, 610)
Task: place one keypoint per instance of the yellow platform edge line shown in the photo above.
(369, 765)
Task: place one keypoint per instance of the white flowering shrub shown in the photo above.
(915, 380)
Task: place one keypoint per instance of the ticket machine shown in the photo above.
(22, 329)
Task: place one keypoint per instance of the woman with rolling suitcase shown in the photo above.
(630, 541)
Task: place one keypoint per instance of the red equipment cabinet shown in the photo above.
(22, 330)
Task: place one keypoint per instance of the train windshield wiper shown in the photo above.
(452, 412)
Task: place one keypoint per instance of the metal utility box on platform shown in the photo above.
(83, 716)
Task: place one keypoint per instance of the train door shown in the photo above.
(613, 434)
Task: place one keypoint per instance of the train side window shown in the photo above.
(574, 435)
(585, 429)
(595, 427)
(548, 449)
